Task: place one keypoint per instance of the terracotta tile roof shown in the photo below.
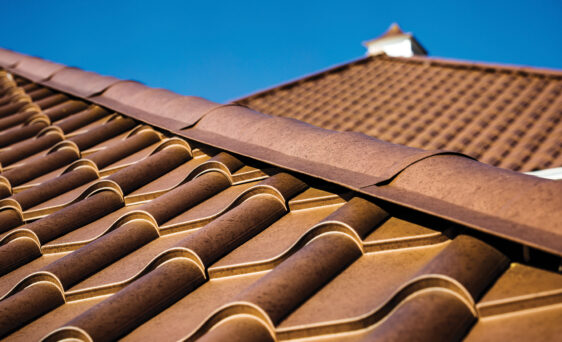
(510, 117)
(136, 213)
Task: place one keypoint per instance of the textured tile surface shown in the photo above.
(506, 117)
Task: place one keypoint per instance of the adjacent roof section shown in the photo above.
(508, 117)
(134, 213)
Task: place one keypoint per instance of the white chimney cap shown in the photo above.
(395, 42)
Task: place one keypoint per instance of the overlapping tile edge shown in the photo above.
(353, 160)
(372, 182)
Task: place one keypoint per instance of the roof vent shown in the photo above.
(395, 42)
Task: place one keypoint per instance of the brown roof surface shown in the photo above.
(136, 213)
(510, 117)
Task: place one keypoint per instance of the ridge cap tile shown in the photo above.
(230, 121)
(9, 58)
(37, 69)
(80, 82)
(336, 175)
(301, 140)
(187, 109)
(497, 192)
(150, 99)
(123, 89)
(157, 106)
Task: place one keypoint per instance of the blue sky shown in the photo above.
(223, 50)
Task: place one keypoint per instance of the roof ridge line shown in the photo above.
(353, 160)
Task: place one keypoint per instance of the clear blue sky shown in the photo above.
(223, 50)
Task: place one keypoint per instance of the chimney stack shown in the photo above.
(395, 42)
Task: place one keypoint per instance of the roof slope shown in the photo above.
(510, 117)
(176, 218)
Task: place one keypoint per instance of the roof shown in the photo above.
(504, 116)
(136, 213)
(393, 31)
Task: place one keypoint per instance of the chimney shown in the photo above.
(395, 42)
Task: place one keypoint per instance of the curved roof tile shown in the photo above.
(231, 223)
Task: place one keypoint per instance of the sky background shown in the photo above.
(223, 50)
